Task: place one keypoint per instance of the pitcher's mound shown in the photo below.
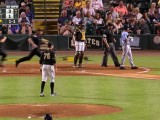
(56, 110)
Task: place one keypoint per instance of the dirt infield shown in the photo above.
(90, 69)
(57, 110)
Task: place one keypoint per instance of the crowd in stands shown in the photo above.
(25, 20)
(142, 17)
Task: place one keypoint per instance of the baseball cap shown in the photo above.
(50, 44)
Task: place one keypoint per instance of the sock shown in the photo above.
(42, 86)
(52, 87)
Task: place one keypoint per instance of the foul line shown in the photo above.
(128, 76)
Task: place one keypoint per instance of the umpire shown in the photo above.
(108, 42)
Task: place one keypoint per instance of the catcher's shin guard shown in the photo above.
(76, 58)
(81, 58)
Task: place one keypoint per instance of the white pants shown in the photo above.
(48, 71)
(127, 52)
(80, 46)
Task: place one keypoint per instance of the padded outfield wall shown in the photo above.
(142, 42)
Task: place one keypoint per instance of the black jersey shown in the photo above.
(48, 57)
(36, 40)
(79, 35)
(1, 37)
(109, 35)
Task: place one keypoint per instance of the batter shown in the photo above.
(126, 42)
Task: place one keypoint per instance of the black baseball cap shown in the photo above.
(50, 44)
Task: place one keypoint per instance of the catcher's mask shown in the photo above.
(48, 117)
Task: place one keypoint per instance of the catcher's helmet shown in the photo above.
(48, 117)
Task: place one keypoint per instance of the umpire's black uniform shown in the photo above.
(35, 51)
(110, 49)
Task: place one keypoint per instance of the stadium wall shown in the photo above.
(142, 42)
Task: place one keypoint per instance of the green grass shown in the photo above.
(138, 98)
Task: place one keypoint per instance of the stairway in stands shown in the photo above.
(50, 12)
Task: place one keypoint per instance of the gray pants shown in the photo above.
(110, 51)
(127, 52)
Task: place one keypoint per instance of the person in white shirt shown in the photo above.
(88, 8)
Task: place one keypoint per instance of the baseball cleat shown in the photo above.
(17, 63)
(104, 66)
(42, 95)
(81, 66)
(117, 65)
(53, 94)
(134, 67)
(122, 68)
(75, 66)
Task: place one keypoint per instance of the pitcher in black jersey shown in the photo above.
(79, 40)
(35, 42)
(2, 53)
(108, 41)
(48, 62)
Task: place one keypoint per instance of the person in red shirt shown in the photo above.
(121, 8)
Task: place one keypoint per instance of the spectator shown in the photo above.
(121, 8)
(146, 18)
(70, 9)
(66, 29)
(137, 13)
(130, 8)
(24, 18)
(118, 26)
(97, 5)
(88, 8)
(25, 28)
(83, 3)
(13, 29)
(114, 14)
(134, 26)
(63, 18)
(78, 8)
(29, 14)
(89, 23)
(109, 18)
(22, 8)
(77, 19)
(152, 9)
(99, 22)
(78, 3)
(10, 2)
(143, 27)
(156, 21)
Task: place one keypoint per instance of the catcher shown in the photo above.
(79, 40)
(35, 42)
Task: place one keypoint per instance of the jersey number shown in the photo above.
(47, 56)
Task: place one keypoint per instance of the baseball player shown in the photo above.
(2, 53)
(35, 42)
(126, 41)
(108, 41)
(48, 62)
(79, 40)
